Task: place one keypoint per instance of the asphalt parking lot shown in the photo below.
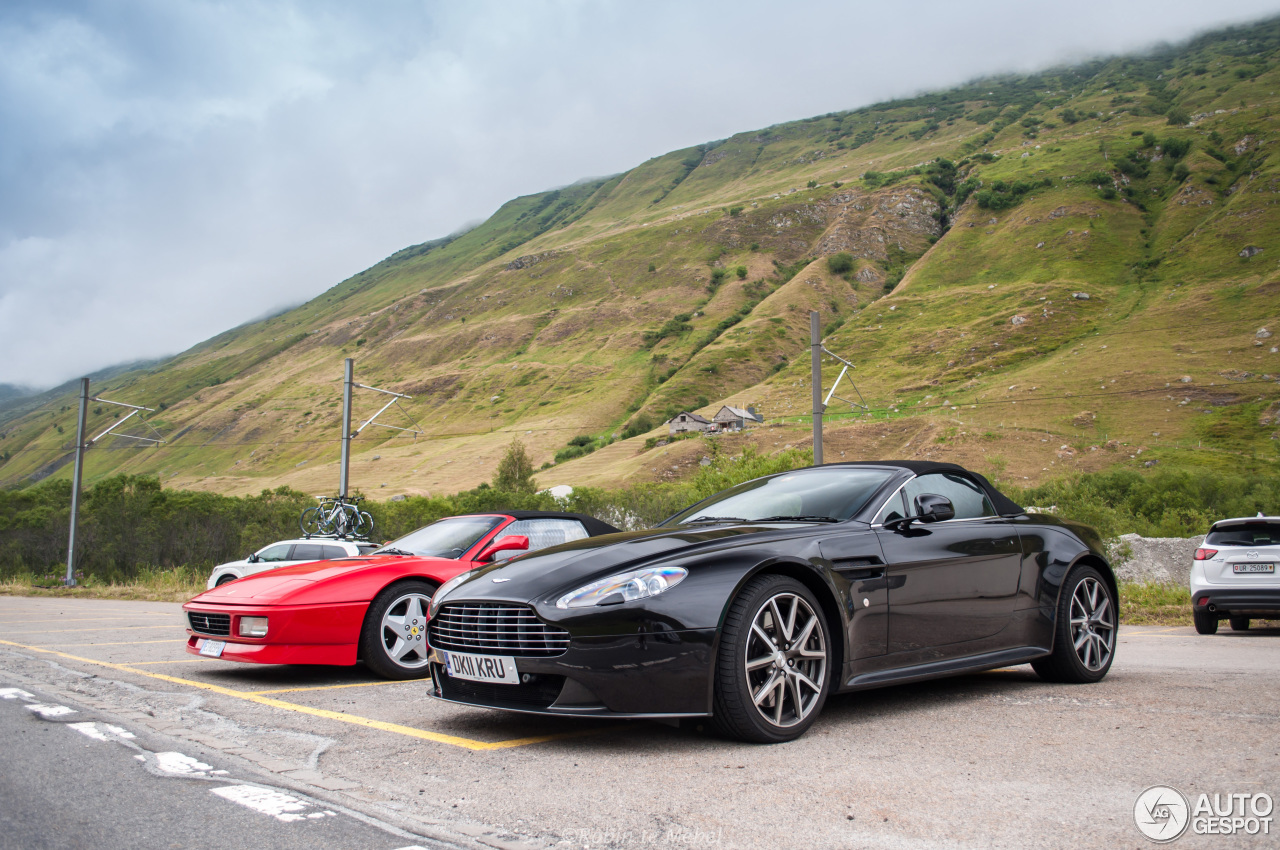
(992, 760)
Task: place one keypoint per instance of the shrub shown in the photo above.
(1175, 147)
(741, 272)
(515, 471)
(735, 211)
(841, 263)
(812, 184)
(652, 267)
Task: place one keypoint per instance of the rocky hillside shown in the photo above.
(1070, 270)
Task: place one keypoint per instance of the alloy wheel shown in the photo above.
(786, 660)
(404, 630)
(1093, 624)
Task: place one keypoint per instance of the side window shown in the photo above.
(309, 552)
(546, 532)
(279, 552)
(331, 552)
(969, 499)
(893, 509)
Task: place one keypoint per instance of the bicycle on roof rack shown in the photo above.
(337, 516)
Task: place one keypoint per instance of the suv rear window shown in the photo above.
(1245, 534)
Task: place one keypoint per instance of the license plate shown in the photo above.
(1253, 568)
(482, 668)
(212, 648)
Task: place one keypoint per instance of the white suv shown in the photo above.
(286, 553)
(1233, 576)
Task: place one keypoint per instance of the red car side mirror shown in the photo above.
(503, 544)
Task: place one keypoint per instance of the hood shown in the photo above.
(274, 585)
(565, 567)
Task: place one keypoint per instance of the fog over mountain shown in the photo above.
(168, 171)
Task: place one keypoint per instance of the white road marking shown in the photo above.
(180, 765)
(278, 805)
(50, 710)
(106, 733)
(15, 693)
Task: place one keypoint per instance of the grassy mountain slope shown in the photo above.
(974, 220)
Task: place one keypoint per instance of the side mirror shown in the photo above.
(509, 543)
(253, 558)
(932, 508)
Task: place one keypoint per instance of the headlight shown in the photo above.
(444, 589)
(626, 587)
(253, 627)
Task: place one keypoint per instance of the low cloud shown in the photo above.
(168, 171)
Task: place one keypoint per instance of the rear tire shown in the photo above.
(309, 522)
(1239, 624)
(1084, 633)
(1206, 623)
(393, 641)
(774, 666)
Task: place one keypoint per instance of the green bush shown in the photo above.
(741, 272)
(841, 263)
(1175, 147)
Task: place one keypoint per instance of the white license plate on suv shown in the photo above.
(212, 648)
(1253, 568)
(482, 668)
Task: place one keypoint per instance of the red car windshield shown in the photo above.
(447, 538)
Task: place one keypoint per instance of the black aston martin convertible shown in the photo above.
(753, 605)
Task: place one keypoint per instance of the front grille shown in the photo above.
(539, 693)
(496, 629)
(210, 624)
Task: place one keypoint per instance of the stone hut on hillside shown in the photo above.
(736, 418)
(686, 421)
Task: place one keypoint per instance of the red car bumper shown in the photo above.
(296, 634)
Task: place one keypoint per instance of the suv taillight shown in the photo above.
(1205, 554)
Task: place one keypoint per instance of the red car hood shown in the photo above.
(346, 580)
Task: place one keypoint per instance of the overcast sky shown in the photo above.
(171, 169)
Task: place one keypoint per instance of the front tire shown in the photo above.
(773, 670)
(1206, 623)
(1084, 635)
(393, 642)
(225, 579)
(1239, 624)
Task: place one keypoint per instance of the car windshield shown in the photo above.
(1245, 534)
(835, 493)
(446, 538)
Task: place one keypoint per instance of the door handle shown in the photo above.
(862, 574)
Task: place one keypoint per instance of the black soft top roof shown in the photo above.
(594, 527)
(1002, 503)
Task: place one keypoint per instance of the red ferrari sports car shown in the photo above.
(371, 608)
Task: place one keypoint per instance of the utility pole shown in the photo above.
(815, 349)
(75, 483)
(347, 376)
(349, 384)
(81, 445)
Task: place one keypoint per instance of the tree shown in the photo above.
(515, 471)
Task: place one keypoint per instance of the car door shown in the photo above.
(271, 558)
(954, 582)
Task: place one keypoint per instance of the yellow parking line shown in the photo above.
(179, 661)
(56, 620)
(355, 720)
(103, 629)
(122, 643)
(334, 687)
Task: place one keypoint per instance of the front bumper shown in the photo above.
(662, 674)
(296, 634)
(1237, 600)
